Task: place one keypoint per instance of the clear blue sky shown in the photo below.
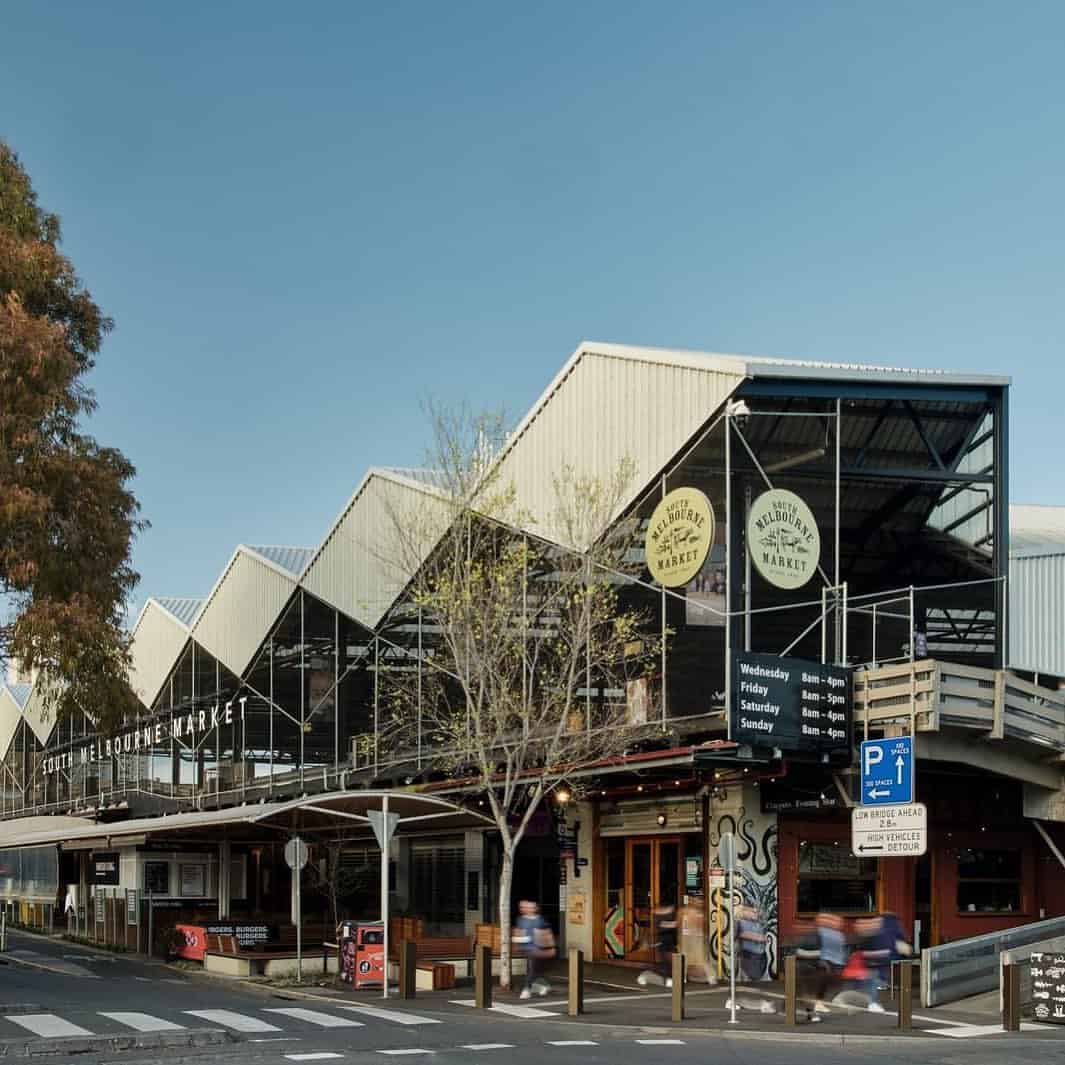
(306, 218)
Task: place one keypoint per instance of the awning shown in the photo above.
(311, 815)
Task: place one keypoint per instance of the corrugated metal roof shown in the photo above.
(19, 692)
(351, 570)
(1036, 530)
(159, 636)
(291, 559)
(774, 366)
(1037, 613)
(243, 605)
(181, 608)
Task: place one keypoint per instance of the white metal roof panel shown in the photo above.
(292, 560)
(159, 637)
(611, 403)
(19, 691)
(39, 710)
(1036, 530)
(745, 365)
(183, 608)
(1037, 614)
(10, 716)
(359, 568)
(241, 608)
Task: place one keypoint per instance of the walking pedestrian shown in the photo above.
(534, 939)
(831, 958)
(877, 943)
(665, 946)
(751, 943)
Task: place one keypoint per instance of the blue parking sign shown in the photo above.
(887, 771)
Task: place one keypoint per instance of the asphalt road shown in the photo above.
(87, 992)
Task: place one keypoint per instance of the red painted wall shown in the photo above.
(1042, 886)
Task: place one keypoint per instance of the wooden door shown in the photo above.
(652, 880)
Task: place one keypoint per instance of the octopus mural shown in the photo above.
(756, 868)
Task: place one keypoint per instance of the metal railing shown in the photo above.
(966, 967)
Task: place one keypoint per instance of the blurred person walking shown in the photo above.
(535, 941)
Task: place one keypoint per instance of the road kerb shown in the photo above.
(115, 1042)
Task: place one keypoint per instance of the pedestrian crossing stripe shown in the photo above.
(323, 1020)
(48, 1025)
(143, 1022)
(391, 1015)
(239, 1022)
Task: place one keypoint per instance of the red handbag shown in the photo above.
(855, 969)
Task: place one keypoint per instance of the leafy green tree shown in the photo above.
(67, 513)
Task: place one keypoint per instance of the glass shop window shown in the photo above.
(989, 881)
(831, 878)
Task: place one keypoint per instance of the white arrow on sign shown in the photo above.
(878, 793)
(899, 763)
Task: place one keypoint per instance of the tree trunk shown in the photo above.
(506, 877)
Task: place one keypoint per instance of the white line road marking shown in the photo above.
(974, 1030)
(170, 980)
(661, 1042)
(571, 1043)
(142, 979)
(487, 1046)
(412, 1050)
(143, 1022)
(392, 1015)
(320, 1055)
(323, 1020)
(239, 1022)
(524, 1012)
(277, 1039)
(48, 1025)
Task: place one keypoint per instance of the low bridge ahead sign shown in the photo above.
(889, 831)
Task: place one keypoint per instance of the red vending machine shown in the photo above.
(369, 955)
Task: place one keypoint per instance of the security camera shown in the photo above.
(740, 413)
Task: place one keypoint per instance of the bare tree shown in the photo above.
(532, 644)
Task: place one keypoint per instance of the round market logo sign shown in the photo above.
(782, 538)
(679, 536)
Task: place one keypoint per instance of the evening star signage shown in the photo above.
(679, 536)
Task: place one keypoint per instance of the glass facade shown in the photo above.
(317, 699)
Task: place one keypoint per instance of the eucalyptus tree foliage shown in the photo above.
(528, 644)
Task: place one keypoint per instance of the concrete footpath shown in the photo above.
(614, 999)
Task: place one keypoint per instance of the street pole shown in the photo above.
(298, 874)
(732, 932)
(384, 898)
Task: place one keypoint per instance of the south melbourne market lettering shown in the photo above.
(783, 538)
(679, 536)
(145, 737)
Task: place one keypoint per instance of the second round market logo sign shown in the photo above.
(783, 538)
(679, 536)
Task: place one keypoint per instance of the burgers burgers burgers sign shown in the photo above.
(783, 539)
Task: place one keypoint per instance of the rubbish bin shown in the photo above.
(369, 954)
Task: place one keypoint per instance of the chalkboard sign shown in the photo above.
(1048, 987)
(792, 704)
(105, 868)
(157, 878)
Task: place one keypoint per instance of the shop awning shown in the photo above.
(311, 815)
